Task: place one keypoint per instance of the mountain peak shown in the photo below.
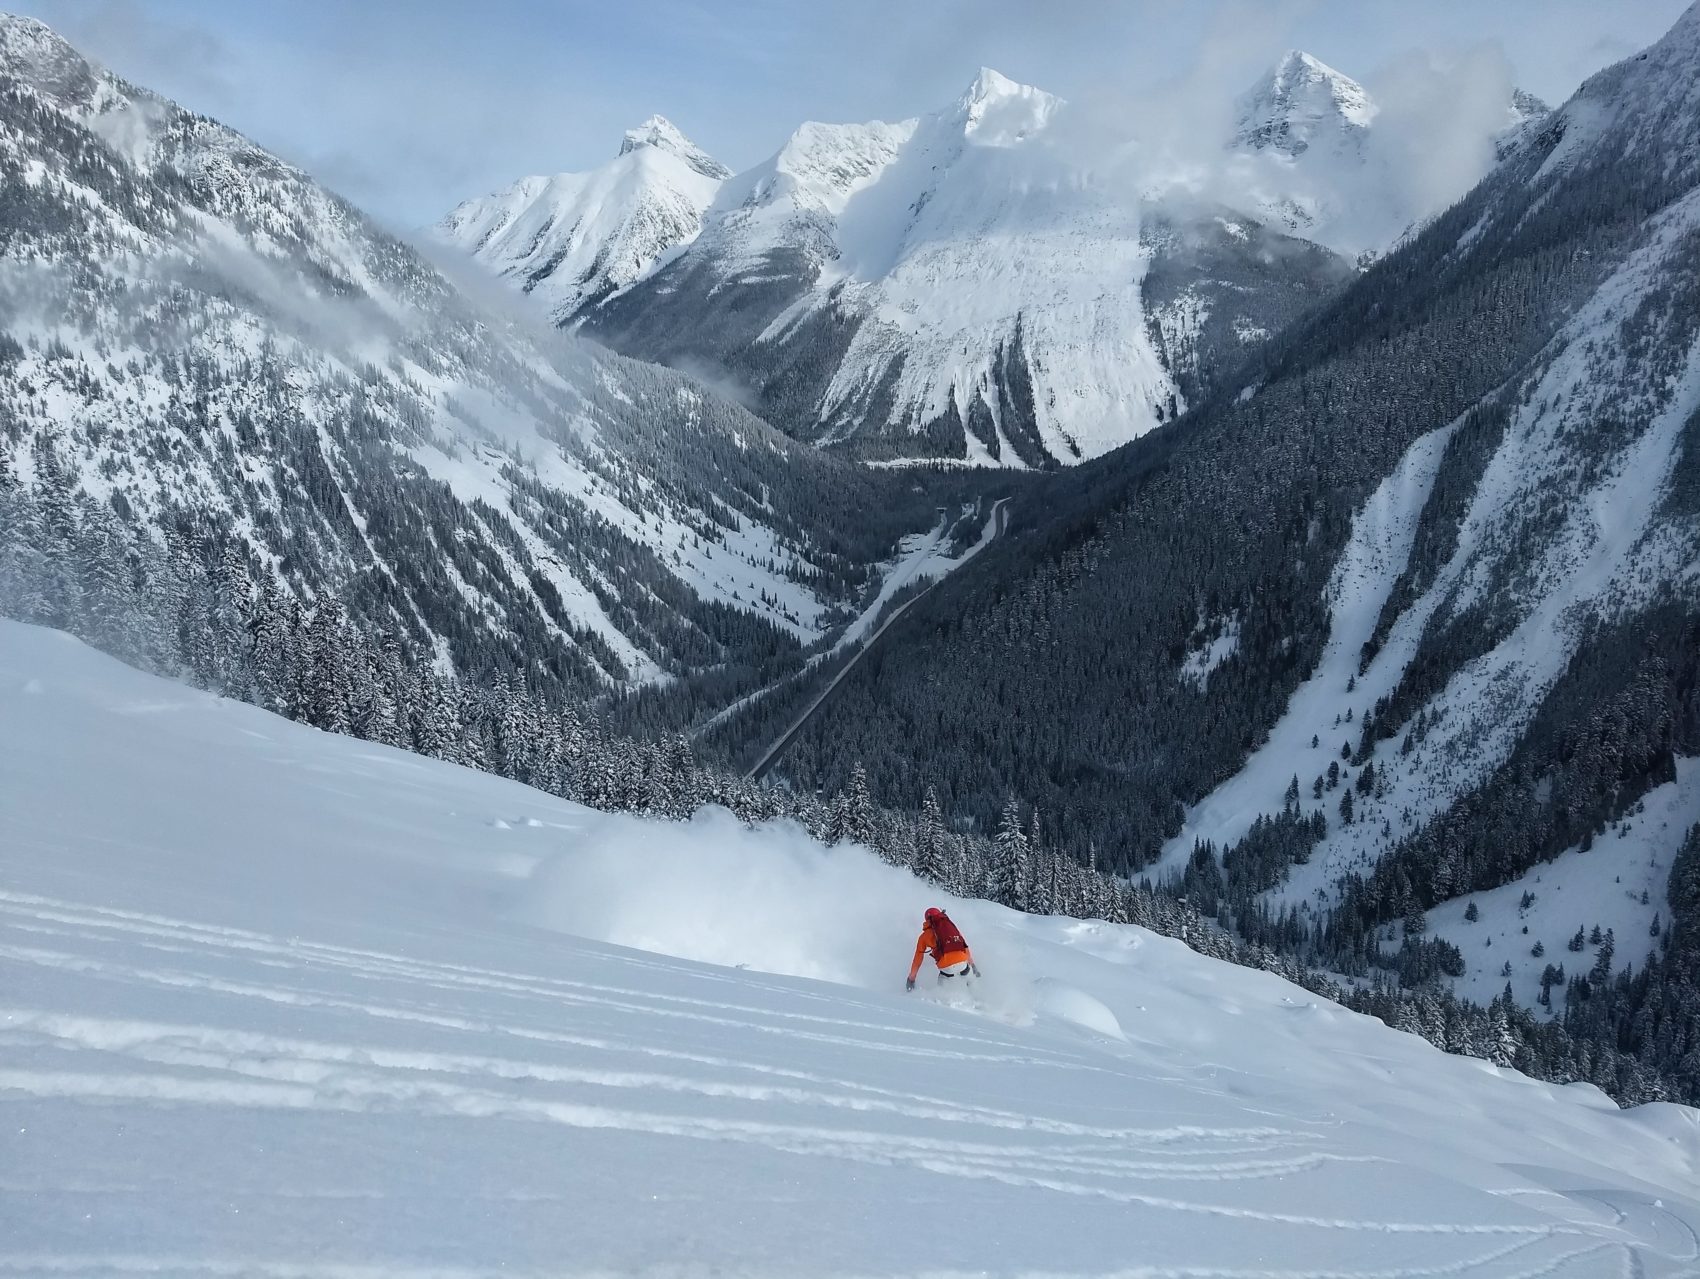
(32, 51)
(1296, 62)
(1526, 104)
(1300, 99)
(662, 134)
(22, 36)
(998, 111)
(991, 83)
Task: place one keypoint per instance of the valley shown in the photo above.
(511, 684)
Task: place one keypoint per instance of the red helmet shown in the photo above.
(933, 912)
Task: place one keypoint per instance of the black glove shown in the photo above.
(909, 983)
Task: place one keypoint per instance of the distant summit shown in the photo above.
(1300, 103)
(660, 132)
(574, 239)
(998, 111)
(959, 284)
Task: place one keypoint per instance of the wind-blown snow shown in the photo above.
(274, 1004)
(1312, 150)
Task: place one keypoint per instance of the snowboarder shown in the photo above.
(943, 940)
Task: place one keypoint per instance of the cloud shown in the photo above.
(1440, 112)
(1605, 51)
(410, 109)
(143, 48)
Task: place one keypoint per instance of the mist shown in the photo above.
(1438, 115)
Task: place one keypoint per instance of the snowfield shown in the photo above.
(279, 1003)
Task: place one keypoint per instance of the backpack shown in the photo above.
(947, 935)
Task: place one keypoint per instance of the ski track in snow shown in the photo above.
(114, 1059)
(266, 1008)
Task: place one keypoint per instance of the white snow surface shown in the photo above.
(280, 1003)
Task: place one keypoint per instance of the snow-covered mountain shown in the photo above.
(572, 239)
(1405, 626)
(978, 284)
(957, 285)
(283, 1003)
(1304, 103)
(203, 340)
(1306, 154)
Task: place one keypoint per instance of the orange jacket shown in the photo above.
(927, 944)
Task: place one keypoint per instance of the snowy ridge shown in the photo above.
(951, 286)
(572, 239)
(446, 998)
(661, 133)
(972, 285)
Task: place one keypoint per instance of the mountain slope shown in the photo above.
(407, 984)
(203, 340)
(959, 286)
(1438, 557)
(573, 239)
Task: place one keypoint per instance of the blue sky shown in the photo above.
(408, 108)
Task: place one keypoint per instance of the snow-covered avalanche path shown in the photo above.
(279, 1003)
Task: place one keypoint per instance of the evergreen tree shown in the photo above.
(853, 812)
(933, 860)
(1011, 865)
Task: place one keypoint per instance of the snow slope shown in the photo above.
(1618, 885)
(279, 1003)
(572, 239)
(1379, 546)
